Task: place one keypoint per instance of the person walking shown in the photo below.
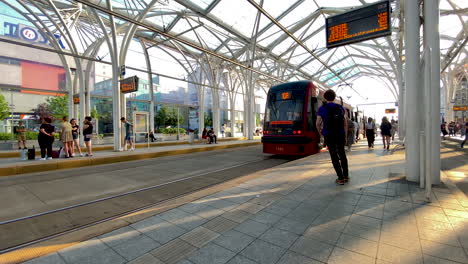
(351, 134)
(451, 128)
(370, 132)
(443, 129)
(333, 125)
(20, 132)
(46, 138)
(88, 135)
(357, 129)
(66, 136)
(128, 134)
(394, 129)
(75, 134)
(385, 130)
(222, 130)
(466, 135)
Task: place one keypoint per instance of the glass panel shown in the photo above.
(238, 14)
(284, 111)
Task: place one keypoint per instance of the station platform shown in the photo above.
(10, 164)
(289, 213)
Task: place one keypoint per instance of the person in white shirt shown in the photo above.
(370, 132)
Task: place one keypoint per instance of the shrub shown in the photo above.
(30, 135)
(172, 130)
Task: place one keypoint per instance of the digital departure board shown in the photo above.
(76, 99)
(390, 111)
(129, 85)
(359, 24)
(460, 108)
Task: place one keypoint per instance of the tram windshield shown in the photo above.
(284, 111)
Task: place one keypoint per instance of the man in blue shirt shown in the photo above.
(128, 134)
(331, 123)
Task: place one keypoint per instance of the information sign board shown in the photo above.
(370, 21)
(76, 99)
(129, 85)
(390, 111)
(460, 108)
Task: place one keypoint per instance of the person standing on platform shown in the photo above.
(394, 129)
(75, 134)
(128, 134)
(385, 130)
(356, 131)
(351, 134)
(88, 135)
(46, 138)
(212, 136)
(222, 130)
(20, 131)
(66, 136)
(443, 129)
(370, 132)
(333, 125)
(466, 134)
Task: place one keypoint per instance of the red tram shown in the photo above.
(290, 117)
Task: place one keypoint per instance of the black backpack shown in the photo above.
(335, 120)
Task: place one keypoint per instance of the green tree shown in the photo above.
(4, 108)
(208, 119)
(41, 111)
(94, 114)
(172, 118)
(58, 106)
(160, 118)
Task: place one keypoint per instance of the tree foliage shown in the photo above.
(167, 117)
(208, 119)
(41, 111)
(4, 108)
(58, 106)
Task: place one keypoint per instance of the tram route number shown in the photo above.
(360, 24)
(279, 149)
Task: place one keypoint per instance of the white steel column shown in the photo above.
(150, 83)
(115, 84)
(412, 89)
(431, 21)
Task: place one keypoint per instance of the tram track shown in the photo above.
(28, 230)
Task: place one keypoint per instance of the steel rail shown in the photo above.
(120, 214)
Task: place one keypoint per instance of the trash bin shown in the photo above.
(191, 137)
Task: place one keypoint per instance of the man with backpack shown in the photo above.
(331, 123)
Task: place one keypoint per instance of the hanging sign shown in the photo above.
(460, 108)
(76, 99)
(368, 22)
(129, 85)
(390, 111)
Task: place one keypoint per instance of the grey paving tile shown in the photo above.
(407, 242)
(343, 256)
(83, 250)
(220, 224)
(241, 260)
(250, 207)
(234, 240)
(443, 237)
(366, 232)
(252, 228)
(199, 237)
(393, 254)
(135, 247)
(359, 245)
(312, 248)
(53, 258)
(119, 236)
(222, 204)
(263, 252)
(185, 261)
(211, 253)
(209, 212)
(183, 219)
(192, 207)
(158, 229)
(107, 256)
(292, 226)
(331, 223)
(279, 237)
(146, 259)
(434, 260)
(173, 251)
(293, 258)
(238, 216)
(326, 235)
(365, 220)
(266, 218)
(444, 251)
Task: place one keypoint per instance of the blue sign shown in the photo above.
(28, 33)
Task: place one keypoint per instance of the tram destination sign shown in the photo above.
(368, 22)
(129, 85)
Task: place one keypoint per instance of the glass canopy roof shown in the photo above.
(232, 30)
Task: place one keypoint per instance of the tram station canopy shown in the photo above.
(279, 40)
